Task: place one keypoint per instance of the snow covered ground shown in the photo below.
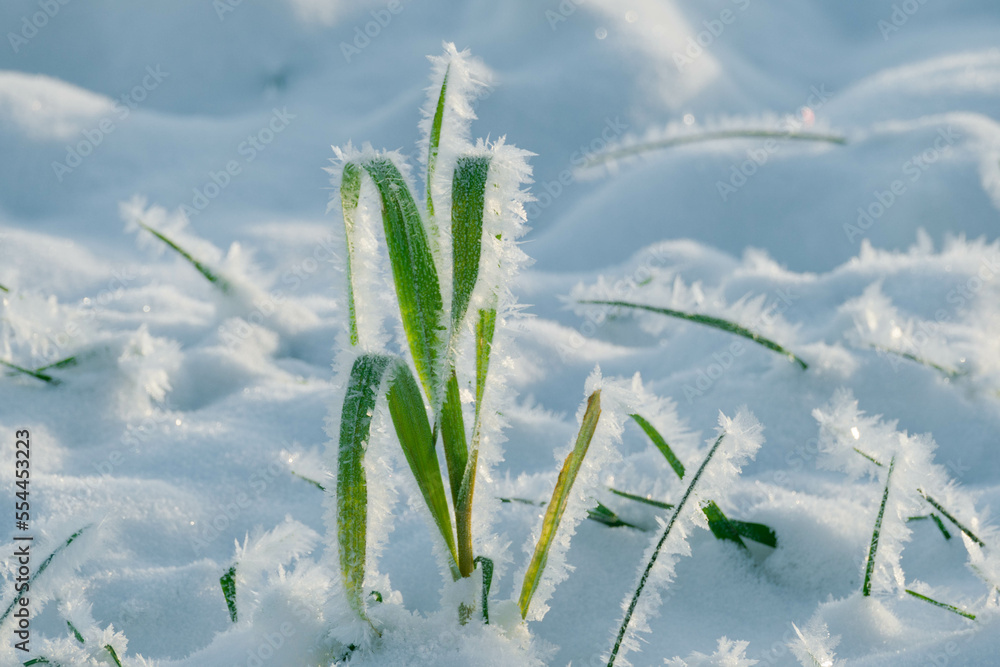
(175, 434)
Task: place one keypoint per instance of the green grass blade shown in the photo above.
(76, 633)
(485, 328)
(350, 194)
(210, 275)
(308, 479)
(605, 515)
(409, 417)
(944, 370)
(707, 320)
(866, 588)
(62, 363)
(38, 375)
(4, 290)
(487, 565)
(40, 661)
(114, 656)
(468, 197)
(642, 499)
(661, 444)
(720, 525)
(557, 506)
(659, 545)
(646, 147)
(434, 140)
(949, 607)
(352, 485)
(757, 532)
(228, 583)
(948, 515)
(413, 271)
(456, 450)
(937, 521)
(41, 568)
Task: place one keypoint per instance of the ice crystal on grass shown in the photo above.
(814, 646)
(729, 653)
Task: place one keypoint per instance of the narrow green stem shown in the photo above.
(659, 546)
(707, 320)
(949, 607)
(866, 588)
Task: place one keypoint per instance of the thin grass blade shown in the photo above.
(708, 320)
(642, 499)
(605, 515)
(435, 140)
(204, 270)
(950, 373)
(350, 194)
(114, 655)
(456, 450)
(38, 375)
(487, 565)
(942, 605)
(757, 532)
(76, 633)
(866, 588)
(638, 149)
(557, 506)
(656, 551)
(661, 444)
(948, 515)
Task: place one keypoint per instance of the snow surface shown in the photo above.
(174, 437)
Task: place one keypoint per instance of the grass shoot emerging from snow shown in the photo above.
(707, 320)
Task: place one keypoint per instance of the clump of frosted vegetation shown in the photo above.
(737, 440)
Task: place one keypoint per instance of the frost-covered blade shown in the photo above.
(560, 496)
(468, 197)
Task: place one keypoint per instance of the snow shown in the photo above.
(174, 436)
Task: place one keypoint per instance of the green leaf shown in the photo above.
(41, 569)
(948, 515)
(661, 444)
(350, 194)
(228, 583)
(642, 499)
(210, 275)
(409, 417)
(557, 506)
(468, 197)
(413, 271)
(76, 633)
(485, 329)
(434, 140)
(720, 525)
(35, 374)
(866, 587)
(114, 656)
(487, 566)
(604, 515)
(707, 320)
(949, 607)
(757, 532)
(456, 452)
